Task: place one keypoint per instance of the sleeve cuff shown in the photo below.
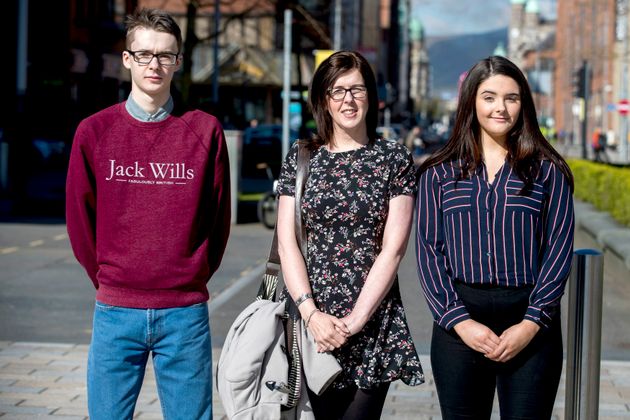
(456, 314)
(538, 315)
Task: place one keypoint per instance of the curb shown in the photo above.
(607, 232)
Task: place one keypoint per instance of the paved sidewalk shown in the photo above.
(47, 381)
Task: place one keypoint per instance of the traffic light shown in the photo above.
(582, 81)
(578, 82)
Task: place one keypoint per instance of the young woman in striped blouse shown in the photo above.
(494, 248)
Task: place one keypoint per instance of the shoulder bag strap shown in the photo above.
(304, 157)
(293, 319)
(270, 280)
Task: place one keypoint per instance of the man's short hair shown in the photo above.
(155, 19)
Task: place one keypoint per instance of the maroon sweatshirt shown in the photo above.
(148, 206)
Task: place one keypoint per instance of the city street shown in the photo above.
(181, 94)
(45, 295)
(46, 304)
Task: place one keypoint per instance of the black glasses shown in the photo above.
(145, 57)
(357, 92)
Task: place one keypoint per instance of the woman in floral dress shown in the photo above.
(357, 207)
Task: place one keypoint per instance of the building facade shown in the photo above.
(593, 33)
(531, 46)
(419, 67)
(66, 65)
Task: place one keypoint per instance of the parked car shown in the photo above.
(261, 159)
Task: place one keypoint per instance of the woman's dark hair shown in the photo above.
(525, 143)
(155, 19)
(324, 78)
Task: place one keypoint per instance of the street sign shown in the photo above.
(623, 106)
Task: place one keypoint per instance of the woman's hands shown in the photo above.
(477, 336)
(513, 340)
(328, 331)
(354, 323)
(497, 348)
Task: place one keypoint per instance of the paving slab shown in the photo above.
(31, 396)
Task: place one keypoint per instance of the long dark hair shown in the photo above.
(324, 78)
(525, 143)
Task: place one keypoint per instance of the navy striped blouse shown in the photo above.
(479, 233)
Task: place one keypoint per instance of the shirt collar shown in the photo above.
(141, 115)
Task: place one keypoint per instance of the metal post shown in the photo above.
(286, 91)
(22, 49)
(623, 132)
(584, 335)
(387, 117)
(215, 54)
(234, 142)
(4, 163)
(337, 26)
(586, 88)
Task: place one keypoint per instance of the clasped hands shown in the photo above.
(497, 348)
(331, 332)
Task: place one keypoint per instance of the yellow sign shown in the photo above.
(321, 55)
(251, 69)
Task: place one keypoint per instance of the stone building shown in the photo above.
(531, 43)
(419, 67)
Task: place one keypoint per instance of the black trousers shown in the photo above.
(466, 379)
(350, 403)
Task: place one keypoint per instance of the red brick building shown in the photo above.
(587, 33)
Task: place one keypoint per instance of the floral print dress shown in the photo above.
(344, 208)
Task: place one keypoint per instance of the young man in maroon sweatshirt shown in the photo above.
(148, 217)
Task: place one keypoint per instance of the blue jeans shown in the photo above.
(179, 341)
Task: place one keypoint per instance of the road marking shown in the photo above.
(32, 244)
(230, 291)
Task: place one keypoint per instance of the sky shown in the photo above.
(451, 17)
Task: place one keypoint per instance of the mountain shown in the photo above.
(452, 55)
